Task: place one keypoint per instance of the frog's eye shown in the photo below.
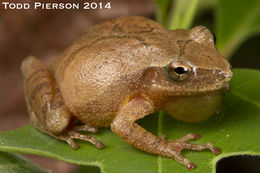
(178, 72)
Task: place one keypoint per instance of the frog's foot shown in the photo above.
(176, 146)
(85, 128)
(71, 135)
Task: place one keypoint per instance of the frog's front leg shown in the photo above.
(124, 125)
(46, 105)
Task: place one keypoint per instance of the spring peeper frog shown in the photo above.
(121, 71)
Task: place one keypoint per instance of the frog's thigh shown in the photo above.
(46, 105)
(44, 101)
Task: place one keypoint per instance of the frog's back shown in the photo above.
(105, 66)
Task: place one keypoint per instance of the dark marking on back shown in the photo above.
(139, 39)
(38, 78)
(182, 45)
(38, 88)
(140, 32)
(34, 73)
(118, 29)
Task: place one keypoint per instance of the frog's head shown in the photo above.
(192, 78)
(195, 68)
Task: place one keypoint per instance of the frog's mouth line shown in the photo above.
(180, 91)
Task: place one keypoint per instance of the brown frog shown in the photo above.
(121, 71)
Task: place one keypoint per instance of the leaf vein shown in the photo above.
(247, 99)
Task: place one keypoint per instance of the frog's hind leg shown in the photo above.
(46, 105)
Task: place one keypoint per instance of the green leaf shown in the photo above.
(237, 20)
(182, 14)
(86, 169)
(179, 14)
(162, 9)
(12, 163)
(176, 14)
(235, 130)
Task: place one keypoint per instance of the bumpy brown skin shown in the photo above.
(117, 73)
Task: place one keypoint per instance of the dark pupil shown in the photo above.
(180, 70)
